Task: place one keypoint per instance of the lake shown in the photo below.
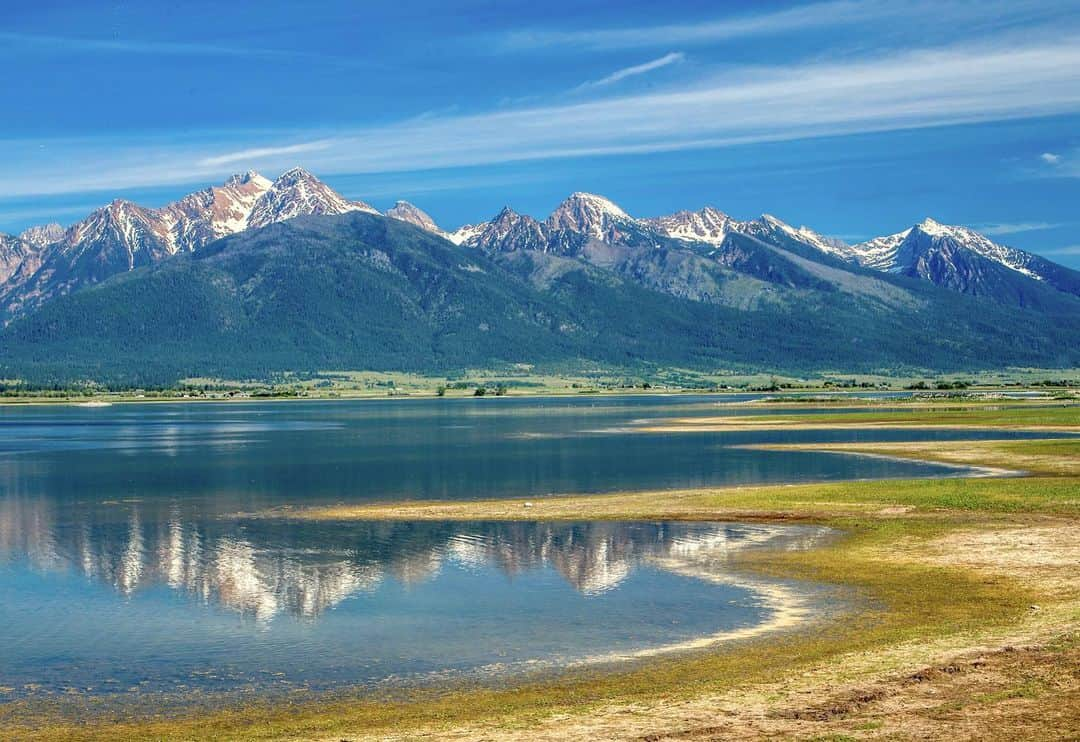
(127, 567)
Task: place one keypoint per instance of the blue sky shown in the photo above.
(855, 118)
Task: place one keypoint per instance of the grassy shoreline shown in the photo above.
(358, 385)
(947, 567)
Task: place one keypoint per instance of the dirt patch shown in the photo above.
(1047, 554)
(1029, 693)
(1008, 693)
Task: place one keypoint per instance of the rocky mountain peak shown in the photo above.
(18, 253)
(297, 192)
(248, 178)
(709, 225)
(587, 213)
(935, 228)
(295, 175)
(507, 214)
(948, 255)
(407, 212)
(43, 235)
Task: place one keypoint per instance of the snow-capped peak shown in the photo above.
(505, 214)
(880, 252)
(297, 192)
(710, 225)
(18, 253)
(937, 229)
(249, 177)
(768, 227)
(508, 231)
(589, 214)
(600, 203)
(213, 212)
(295, 174)
(123, 235)
(466, 234)
(43, 235)
(969, 237)
(900, 252)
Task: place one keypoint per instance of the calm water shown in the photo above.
(164, 607)
(123, 564)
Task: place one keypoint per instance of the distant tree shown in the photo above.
(440, 390)
(480, 391)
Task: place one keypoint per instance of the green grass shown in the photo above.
(1032, 495)
(1000, 415)
(570, 379)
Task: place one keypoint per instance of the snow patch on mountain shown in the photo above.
(140, 234)
(880, 252)
(213, 212)
(14, 253)
(827, 245)
(296, 193)
(467, 234)
(710, 225)
(589, 214)
(47, 260)
(895, 253)
(124, 235)
(45, 234)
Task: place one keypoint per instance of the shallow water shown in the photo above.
(222, 458)
(124, 565)
(171, 606)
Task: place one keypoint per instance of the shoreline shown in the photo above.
(907, 397)
(972, 471)
(959, 571)
(82, 401)
(742, 426)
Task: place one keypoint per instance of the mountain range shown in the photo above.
(255, 276)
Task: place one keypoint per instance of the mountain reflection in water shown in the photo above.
(265, 568)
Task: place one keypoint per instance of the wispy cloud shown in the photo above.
(1015, 227)
(19, 215)
(819, 14)
(70, 44)
(953, 85)
(261, 153)
(952, 14)
(22, 43)
(635, 70)
(1067, 250)
(1050, 158)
